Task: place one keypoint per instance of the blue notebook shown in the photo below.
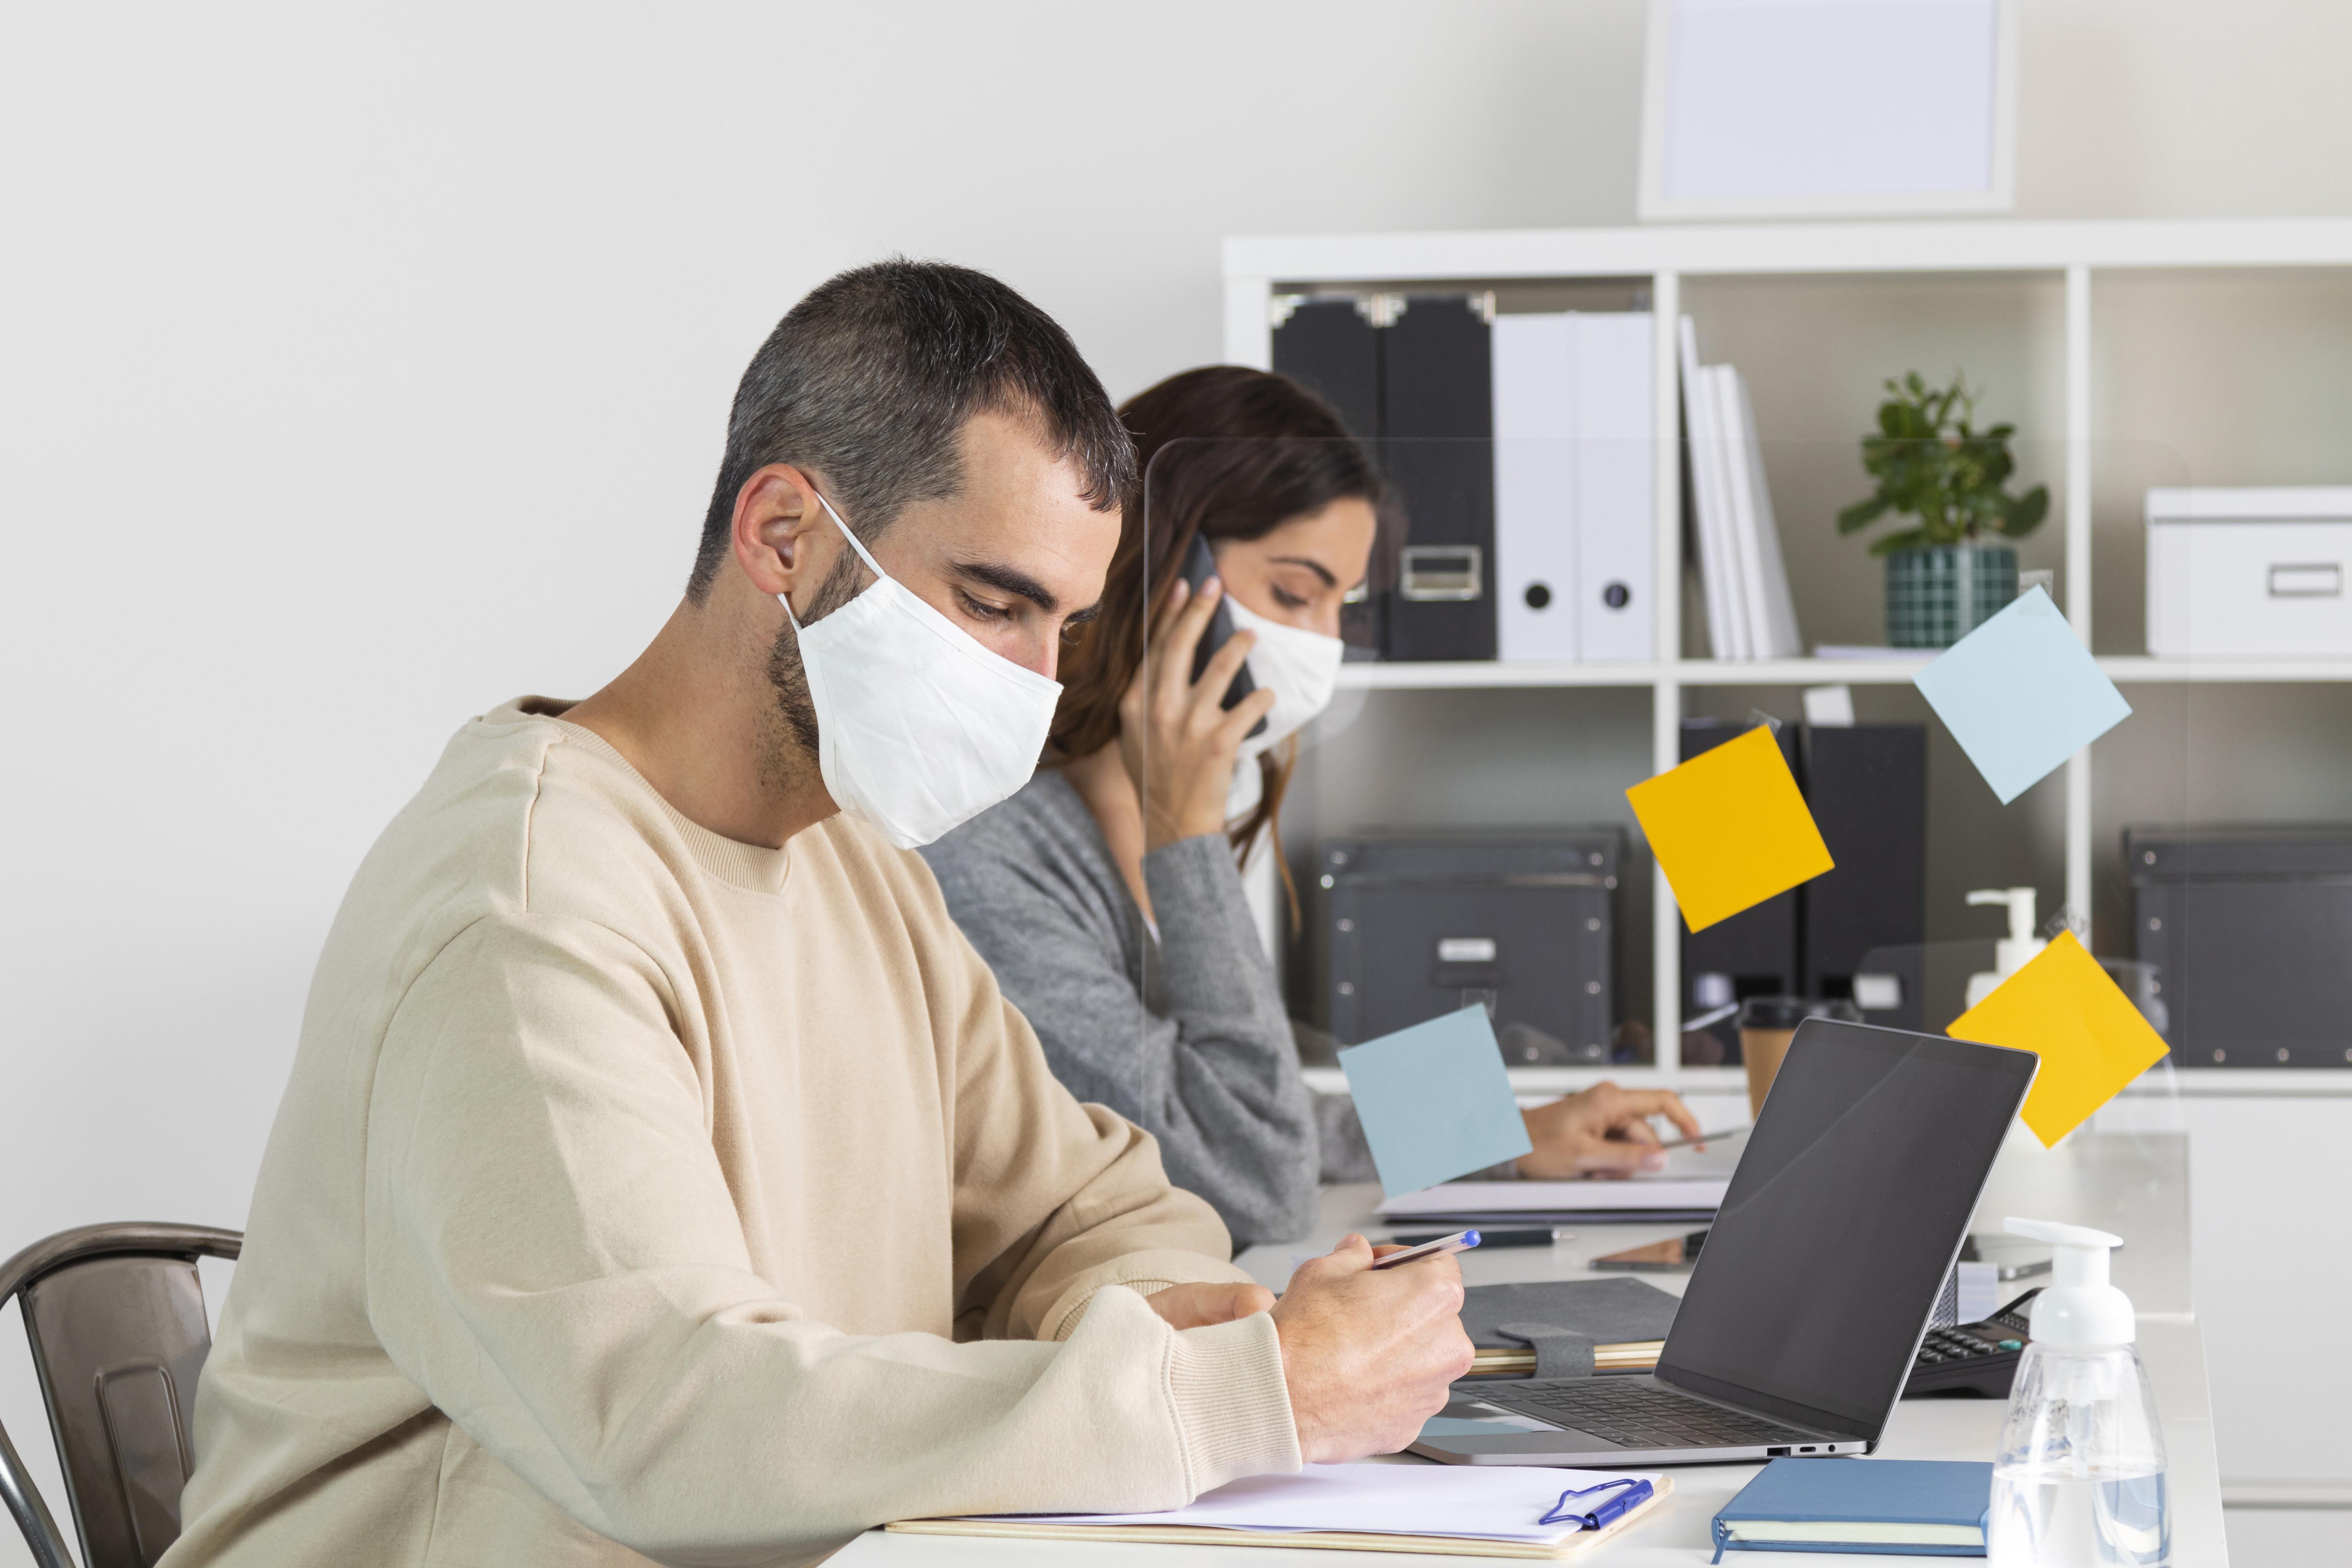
(1918, 1508)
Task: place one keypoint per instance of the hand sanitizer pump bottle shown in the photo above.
(2079, 1479)
(2013, 952)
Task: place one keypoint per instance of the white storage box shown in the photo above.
(2248, 574)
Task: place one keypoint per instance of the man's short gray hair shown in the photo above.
(870, 380)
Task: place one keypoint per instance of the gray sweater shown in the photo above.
(1186, 1037)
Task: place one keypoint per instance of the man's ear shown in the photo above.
(780, 531)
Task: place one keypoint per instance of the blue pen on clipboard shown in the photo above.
(1460, 1241)
(1607, 1511)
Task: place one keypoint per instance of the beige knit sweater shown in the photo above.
(642, 1193)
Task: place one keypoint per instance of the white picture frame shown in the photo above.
(1742, 101)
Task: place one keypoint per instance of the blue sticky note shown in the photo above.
(1436, 1101)
(2022, 694)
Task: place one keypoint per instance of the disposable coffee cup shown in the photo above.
(1766, 1024)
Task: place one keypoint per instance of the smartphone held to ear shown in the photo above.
(1199, 565)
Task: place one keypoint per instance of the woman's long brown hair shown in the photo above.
(1225, 453)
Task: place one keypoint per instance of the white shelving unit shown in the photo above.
(2123, 672)
(1257, 268)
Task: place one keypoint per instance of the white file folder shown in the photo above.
(1537, 600)
(1616, 473)
(1574, 487)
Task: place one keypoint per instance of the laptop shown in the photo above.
(1805, 1311)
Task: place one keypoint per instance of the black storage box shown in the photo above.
(2249, 931)
(1866, 785)
(1415, 928)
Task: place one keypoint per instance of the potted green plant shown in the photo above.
(1945, 577)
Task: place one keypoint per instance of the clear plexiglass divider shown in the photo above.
(1465, 643)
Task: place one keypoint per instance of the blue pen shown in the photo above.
(1460, 1241)
(1607, 1510)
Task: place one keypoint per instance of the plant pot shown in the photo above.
(1937, 595)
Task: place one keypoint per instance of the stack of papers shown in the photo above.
(1641, 1200)
(1469, 1502)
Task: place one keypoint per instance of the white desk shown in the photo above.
(2136, 1186)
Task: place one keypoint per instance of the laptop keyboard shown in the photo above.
(1638, 1415)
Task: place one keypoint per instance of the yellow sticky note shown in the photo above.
(2062, 1007)
(1730, 828)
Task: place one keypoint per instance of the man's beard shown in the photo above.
(788, 742)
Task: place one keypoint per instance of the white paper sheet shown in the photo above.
(1490, 1503)
(1584, 1197)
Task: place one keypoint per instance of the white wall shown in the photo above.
(360, 375)
(357, 372)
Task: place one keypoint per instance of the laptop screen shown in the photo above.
(1842, 1220)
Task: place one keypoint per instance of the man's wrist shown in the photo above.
(1231, 1388)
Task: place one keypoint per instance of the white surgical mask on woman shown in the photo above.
(918, 728)
(1300, 667)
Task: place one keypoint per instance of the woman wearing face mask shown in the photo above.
(1113, 914)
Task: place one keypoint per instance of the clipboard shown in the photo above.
(1331, 1540)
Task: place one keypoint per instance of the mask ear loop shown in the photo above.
(863, 554)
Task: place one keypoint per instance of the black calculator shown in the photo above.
(1973, 1358)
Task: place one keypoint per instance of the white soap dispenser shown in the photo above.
(2079, 1477)
(2013, 952)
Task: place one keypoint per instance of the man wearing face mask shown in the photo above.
(662, 1175)
(1107, 894)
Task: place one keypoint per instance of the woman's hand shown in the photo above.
(1178, 743)
(1602, 1131)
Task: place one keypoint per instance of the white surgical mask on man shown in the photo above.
(1300, 667)
(919, 727)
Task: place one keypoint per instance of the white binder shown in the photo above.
(1751, 613)
(1574, 487)
(1710, 505)
(1771, 611)
(1536, 601)
(1616, 475)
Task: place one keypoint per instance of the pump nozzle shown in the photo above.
(2016, 950)
(2021, 907)
(2080, 1308)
